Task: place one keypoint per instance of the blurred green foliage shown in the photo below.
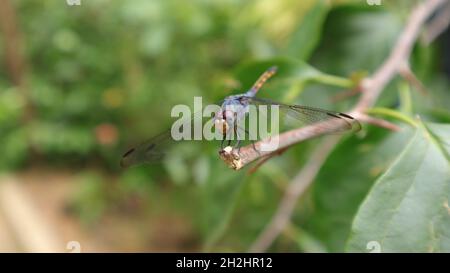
(104, 75)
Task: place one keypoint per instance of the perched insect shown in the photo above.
(235, 108)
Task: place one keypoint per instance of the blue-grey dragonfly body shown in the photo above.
(235, 108)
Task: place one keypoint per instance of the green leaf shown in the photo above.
(433, 105)
(408, 209)
(344, 181)
(307, 35)
(357, 38)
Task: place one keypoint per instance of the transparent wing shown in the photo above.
(298, 115)
(154, 149)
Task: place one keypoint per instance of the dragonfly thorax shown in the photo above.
(232, 109)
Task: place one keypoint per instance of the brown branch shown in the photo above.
(371, 89)
(437, 25)
(399, 55)
(238, 158)
(263, 160)
(378, 122)
(406, 72)
(283, 214)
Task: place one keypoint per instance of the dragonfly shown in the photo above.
(235, 108)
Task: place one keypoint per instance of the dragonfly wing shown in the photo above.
(155, 148)
(152, 150)
(300, 115)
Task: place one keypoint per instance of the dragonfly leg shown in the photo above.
(227, 137)
(254, 147)
(253, 142)
(238, 139)
(223, 141)
(234, 130)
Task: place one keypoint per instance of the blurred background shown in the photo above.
(80, 84)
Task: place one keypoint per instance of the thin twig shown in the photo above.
(372, 88)
(399, 55)
(437, 25)
(379, 122)
(406, 72)
(263, 160)
(238, 158)
(293, 191)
